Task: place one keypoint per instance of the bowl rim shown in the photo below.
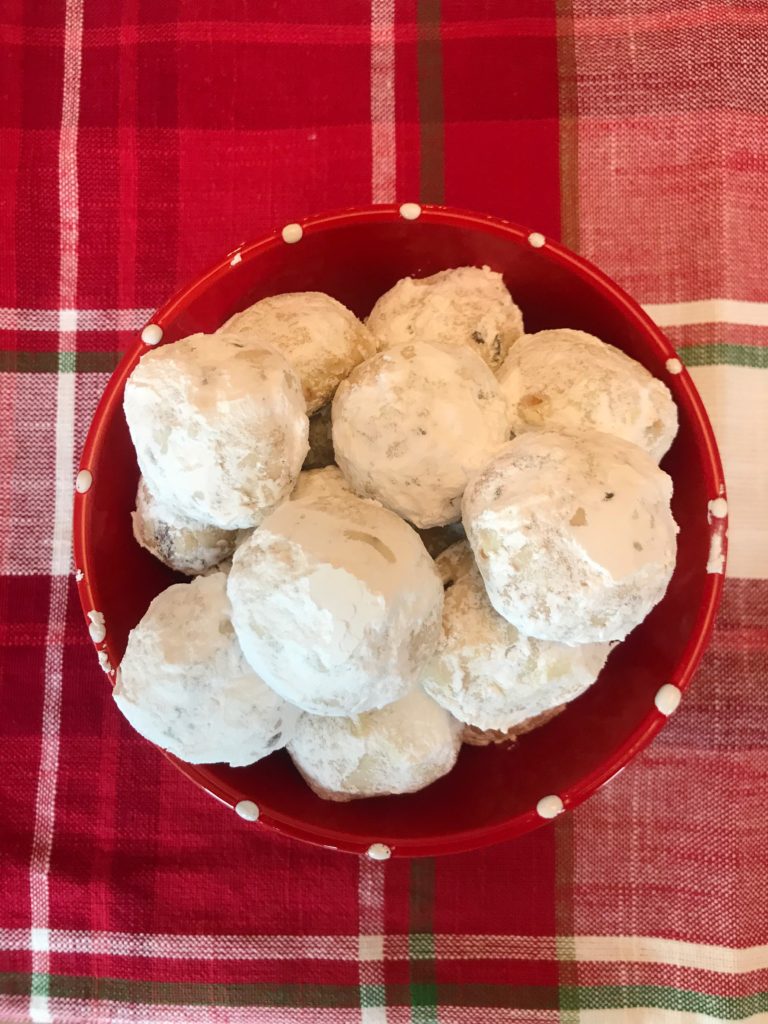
(685, 391)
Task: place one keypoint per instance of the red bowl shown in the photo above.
(493, 792)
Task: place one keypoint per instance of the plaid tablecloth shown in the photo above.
(138, 141)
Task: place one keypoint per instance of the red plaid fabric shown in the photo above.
(138, 141)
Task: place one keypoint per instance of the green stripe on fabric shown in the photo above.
(373, 995)
(166, 993)
(39, 985)
(421, 941)
(660, 997)
(728, 355)
(422, 997)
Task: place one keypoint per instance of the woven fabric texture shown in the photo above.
(138, 142)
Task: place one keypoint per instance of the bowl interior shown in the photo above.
(493, 791)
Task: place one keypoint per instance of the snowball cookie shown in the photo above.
(319, 337)
(185, 685)
(455, 562)
(489, 675)
(321, 483)
(320, 452)
(475, 737)
(467, 306)
(397, 749)
(336, 603)
(219, 427)
(181, 543)
(573, 535)
(570, 380)
(413, 423)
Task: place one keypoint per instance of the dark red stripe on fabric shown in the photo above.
(284, 970)
(431, 107)
(24, 361)
(421, 939)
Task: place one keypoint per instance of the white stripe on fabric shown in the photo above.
(65, 321)
(654, 1015)
(191, 947)
(371, 940)
(373, 947)
(708, 311)
(61, 554)
(174, 1013)
(736, 398)
(383, 134)
(45, 802)
(639, 949)
(105, 1011)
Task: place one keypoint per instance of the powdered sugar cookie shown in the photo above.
(570, 380)
(181, 543)
(320, 338)
(573, 535)
(475, 737)
(185, 685)
(413, 423)
(336, 603)
(489, 675)
(456, 561)
(400, 748)
(321, 483)
(466, 306)
(219, 427)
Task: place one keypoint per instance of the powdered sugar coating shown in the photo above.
(321, 483)
(336, 603)
(573, 535)
(570, 380)
(400, 748)
(466, 306)
(185, 685)
(413, 423)
(179, 542)
(455, 562)
(489, 675)
(320, 338)
(219, 427)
